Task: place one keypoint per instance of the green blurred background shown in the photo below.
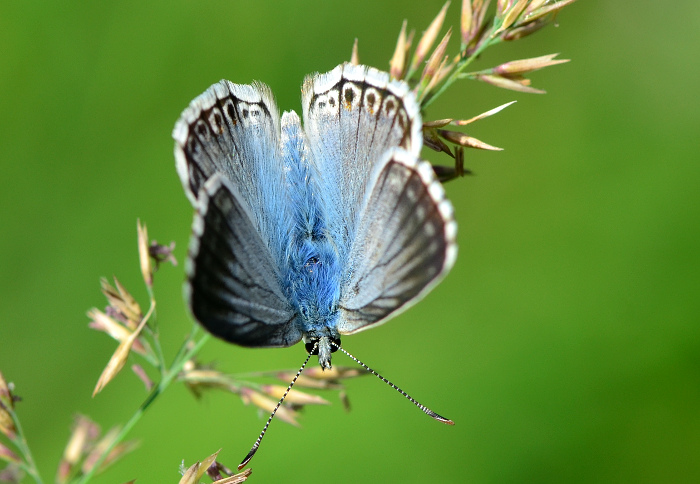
(565, 343)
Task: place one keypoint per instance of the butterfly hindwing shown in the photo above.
(233, 287)
(404, 243)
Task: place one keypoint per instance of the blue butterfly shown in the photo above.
(309, 233)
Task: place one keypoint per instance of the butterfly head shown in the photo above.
(322, 346)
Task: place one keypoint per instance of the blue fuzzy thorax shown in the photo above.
(311, 274)
(314, 285)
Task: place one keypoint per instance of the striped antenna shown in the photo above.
(254, 449)
(425, 409)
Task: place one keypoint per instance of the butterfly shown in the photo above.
(310, 231)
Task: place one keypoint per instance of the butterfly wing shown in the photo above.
(352, 115)
(228, 156)
(232, 287)
(234, 130)
(404, 244)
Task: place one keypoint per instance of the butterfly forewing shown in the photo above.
(404, 244)
(234, 130)
(233, 288)
(352, 115)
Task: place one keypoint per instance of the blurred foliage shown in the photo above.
(565, 343)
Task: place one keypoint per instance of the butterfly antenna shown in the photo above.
(425, 409)
(254, 449)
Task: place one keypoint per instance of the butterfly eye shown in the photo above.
(312, 346)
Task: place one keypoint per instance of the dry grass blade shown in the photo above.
(512, 14)
(190, 475)
(465, 23)
(355, 57)
(521, 85)
(436, 59)
(490, 112)
(294, 396)
(398, 60)
(442, 71)
(8, 456)
(434, 142)
(261, 401)
(429, 36)
(466, 141)
(542, 12)
(144, 255)
(116, 362)
(236, 478)
(524, 66)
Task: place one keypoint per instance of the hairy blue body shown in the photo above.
(311, 270)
